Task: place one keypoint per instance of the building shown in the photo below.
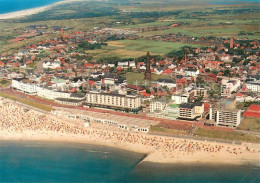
(192, 72)
(157, 106)
(51, 65)
(169, 83)
(197, 93)
(229, 86)
(127, 64)
(25, 86)
(225, 117)
(71, 102)
(122, 122)
(187, 111)
(113, 101)
(199, 109)
(224, 113)
(172, 111)
(253, 86)
(179, 98)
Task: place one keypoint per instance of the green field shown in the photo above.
(156, 47)
(217, 134)
(157, 129)
(4, 83)
(250, 124)
(27, 102)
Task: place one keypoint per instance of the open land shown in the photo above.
(213, 20)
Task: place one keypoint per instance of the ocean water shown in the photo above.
(7, 6)
(67, 162)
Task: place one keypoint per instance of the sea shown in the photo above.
(31, 161)
(8, 6)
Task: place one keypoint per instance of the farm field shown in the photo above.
(156, 47)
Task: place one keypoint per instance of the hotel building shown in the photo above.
(113, 101)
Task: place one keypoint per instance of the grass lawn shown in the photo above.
(226, 135)
(4, 83)
(143, 25)
(250, 124)
(157, 129)
(28, 102)
(132, 77)
(138, 46)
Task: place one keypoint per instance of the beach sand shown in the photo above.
(17, 124)
(22, 13)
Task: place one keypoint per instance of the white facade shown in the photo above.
(126, 64)
(167, 84)
(113, 100)
(254, 87)
(229, 85)
(157, 106)
(225, 117)
(179, 99)
(25, 87)
(51, 65)
(193, 73)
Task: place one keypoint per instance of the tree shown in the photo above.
(226, 72)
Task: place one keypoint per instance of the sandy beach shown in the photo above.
(22, 13)
(16, 123)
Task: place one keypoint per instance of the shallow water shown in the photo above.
(68, 162)
(7, 6)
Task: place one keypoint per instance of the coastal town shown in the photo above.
(196, 103)
(198, 84)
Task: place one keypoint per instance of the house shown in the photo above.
(51, 65)
(192, 72)
(169, 83)
(126, 64)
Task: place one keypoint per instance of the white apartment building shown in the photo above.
(126, 64)
(225, 117)
(179, 99)
(113, 100)
(157, 106)
(229, 85)
(169, 83)
(51, 65)
(25, 86)
(253, 86)
(192, 72)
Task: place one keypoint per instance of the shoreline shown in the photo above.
(34, 125)
(31, 11)
(151, 156)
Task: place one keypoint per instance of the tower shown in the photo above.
(147, 74)
(231, 43)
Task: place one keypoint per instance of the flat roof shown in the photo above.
(121, 120)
